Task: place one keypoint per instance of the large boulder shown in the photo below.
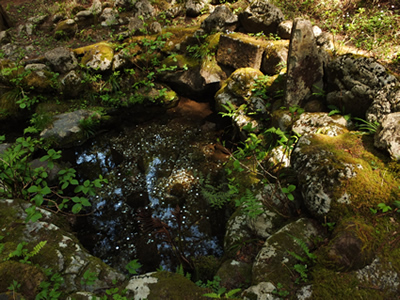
(261, 15)
(388, 135)
(61, 60)
(98, 56)
(220, 20)
(237, 50)
(284, 247)
(321, 123)
(274, 57)
(194, 7)
(304, 65)
(337, 175)
(67, 129)
(61, 253)
(386, 101)
(353, 83)
(66, 29)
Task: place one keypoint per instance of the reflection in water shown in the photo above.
(155, 168)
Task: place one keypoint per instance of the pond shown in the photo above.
(152, 208)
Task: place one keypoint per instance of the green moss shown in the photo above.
(373, 184)
(174, 286)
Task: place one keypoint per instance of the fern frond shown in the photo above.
(37, 248)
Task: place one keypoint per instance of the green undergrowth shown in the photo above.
(366, 24)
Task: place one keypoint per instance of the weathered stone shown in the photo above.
(267, 266)
(304, 66)
(71, 84)
(144, 8)
(127, 4)
(262, 290)
(234, 273)
(135, 24)
(333, 171)
(194, 7)
(237, 89)
(237, 50)
(37, 67)
(221, 20)
(388, 136)
(261, 15)
(4, 37)
(211, 71)
(67, 28)
(98, 56)
(351, 247)
(285, 29)
(61, 59)
(162, 285)
(387, 101)
(380, 275)
(353, 83)
(274, 57)
(96, 7)
(321, 123)
(108, 17)
(155, 28)
(66, 131)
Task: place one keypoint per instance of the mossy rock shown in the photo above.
(343, 175)
(41, 81)
(284, 247)
(65, 29)
(97, 56)
(237, 88)
(352, 247)
(27, 275)
(163, 286)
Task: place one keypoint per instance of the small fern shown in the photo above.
(304, 247)
(37, 248)
(251, 205)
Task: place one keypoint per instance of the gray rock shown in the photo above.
(261, 291)
(71, 84)
(155, 28)
(387, 101)
(222, 19)
(135, 25)
(194, 7)
(144, 8)
(379, 275)
(65, 130)
(261, 15)
(96, 7)
(321, 123)
(37, 67)
(354, 82)
(388, 136)
(304, 66)
(108, 17)
(37, 20)
(285, 29)
(4, 37)
(274, 253)
(239, 51)
(274, 57)
(127, 4)
(61, 59)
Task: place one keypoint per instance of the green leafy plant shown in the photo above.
(217, 291)
(309, 258)
(24, 253)
(280, 291)
(133, 266)
(21, 181)
(288, 191)
(368, 127)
